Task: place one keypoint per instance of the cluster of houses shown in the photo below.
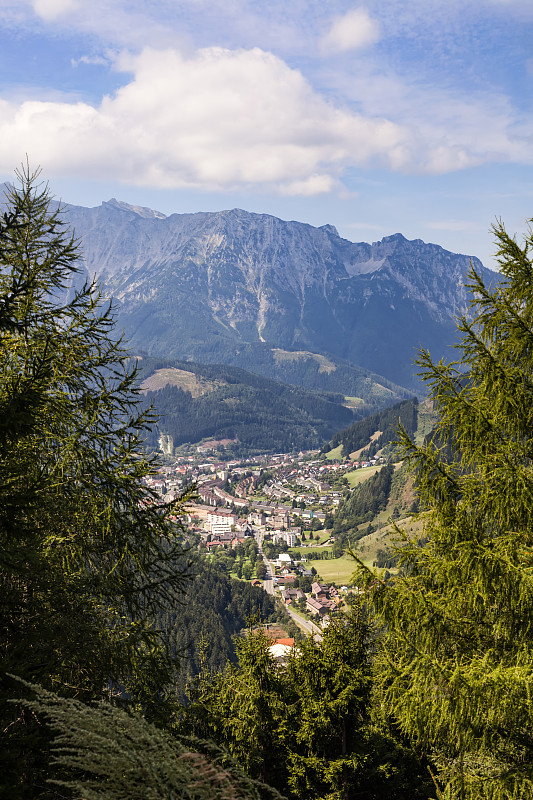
(219, 527)
(224, 529)
(323, 600)
(297, 488)
(287, 570)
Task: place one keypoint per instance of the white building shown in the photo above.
(284, 560)
(220, 522)
(284, 536)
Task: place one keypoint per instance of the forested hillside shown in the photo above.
(390, 492)
(306, 728)
(363, 503)
(319, 372)
(261, 415)
(376, 431)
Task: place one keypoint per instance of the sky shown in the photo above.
(410, 116)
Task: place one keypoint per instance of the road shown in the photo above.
(305, 625)
(268, 585)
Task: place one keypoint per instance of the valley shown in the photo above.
(266, 412)
(286, 521)
(174, 529)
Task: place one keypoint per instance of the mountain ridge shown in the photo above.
(200, 401)
(233, 286)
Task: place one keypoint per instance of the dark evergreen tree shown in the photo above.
(305, 726)
(329, 712)
(457, 658)
(242, 709)
(364, 433)
(86, 553)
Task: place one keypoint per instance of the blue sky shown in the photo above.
(394, 115)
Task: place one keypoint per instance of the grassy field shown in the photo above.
(357, 476)
(312, 542)
(367, 547)
(353, 402)
(187, 381)
(427, 419)
(335, 570)
(324, 536)
(304, 550)
(325, 365)
(340, 570)
(335, 454)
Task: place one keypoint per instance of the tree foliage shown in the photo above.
(87, 555)
(305, 727)
(100, 752)
(330, 712)
(457, 661)
(216, 608)
(241, 709)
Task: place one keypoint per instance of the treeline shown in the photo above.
(358, 435)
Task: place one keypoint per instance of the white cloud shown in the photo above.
(220, 119)
(98, 61)
(451, 129)
(51, 9)
(115, 23)
(353, 31)
(223, 120)
(313, 185)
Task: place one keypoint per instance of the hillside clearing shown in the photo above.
(172, 376)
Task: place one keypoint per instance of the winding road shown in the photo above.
(268, 585)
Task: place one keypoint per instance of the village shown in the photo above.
(266, 519)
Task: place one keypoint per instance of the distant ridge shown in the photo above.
(258, 415)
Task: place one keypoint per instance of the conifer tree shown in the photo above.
(86, 551)
(242, 709)
(456, 666)
(100, 752)
(329, 712)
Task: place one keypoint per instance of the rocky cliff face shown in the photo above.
(211, 286)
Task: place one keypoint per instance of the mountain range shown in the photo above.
(287, 300)
(264, 294)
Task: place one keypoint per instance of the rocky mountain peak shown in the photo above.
(140, 211)
(209, 286)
